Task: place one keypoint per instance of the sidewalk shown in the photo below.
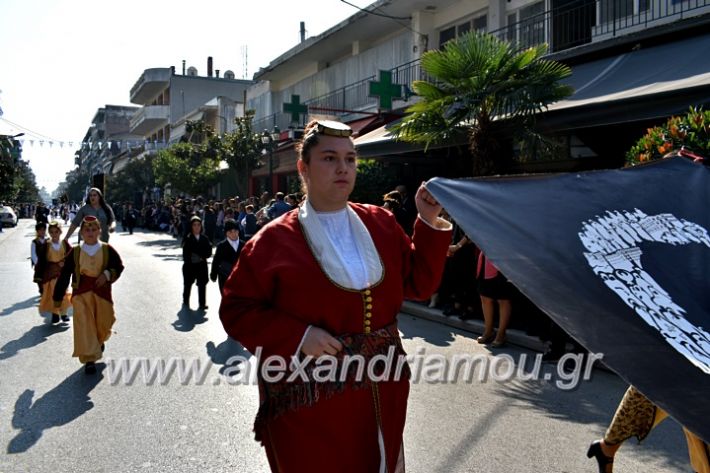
(515, 337)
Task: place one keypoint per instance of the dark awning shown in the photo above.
(639, 85)
(379, 142)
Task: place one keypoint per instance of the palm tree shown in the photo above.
(477, 80)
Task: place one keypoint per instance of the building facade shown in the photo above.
(604, 41)
(105, 139)
(167, 99)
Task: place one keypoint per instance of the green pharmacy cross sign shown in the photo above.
(385, 90)
(295, 108)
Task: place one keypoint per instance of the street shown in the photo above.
(54, 418)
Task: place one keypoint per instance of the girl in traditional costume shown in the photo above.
(35, 249)
(93, 266)
(327, 281)
(50, 260)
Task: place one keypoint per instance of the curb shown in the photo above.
(515, 337)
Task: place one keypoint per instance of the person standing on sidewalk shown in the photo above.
(496, 292)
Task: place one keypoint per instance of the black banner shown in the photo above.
(619, 259)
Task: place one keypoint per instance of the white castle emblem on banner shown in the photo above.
(613, 242)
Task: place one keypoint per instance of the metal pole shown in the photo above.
(270, 185)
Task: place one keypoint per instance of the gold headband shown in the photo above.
(330, 128)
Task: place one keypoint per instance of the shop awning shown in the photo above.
(379, 142)
(644, 84)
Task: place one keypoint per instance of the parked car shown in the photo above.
(8, 218)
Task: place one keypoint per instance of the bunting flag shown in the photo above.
(619, 259)
(99, 145)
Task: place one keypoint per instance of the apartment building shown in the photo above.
(106, 138)
(634, 62)
(168, 99)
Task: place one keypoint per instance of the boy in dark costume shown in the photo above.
(196, 248)
(227, 253)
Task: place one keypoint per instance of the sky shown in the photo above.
(64, 59)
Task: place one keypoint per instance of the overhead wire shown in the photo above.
(384, 15)
(27, 130)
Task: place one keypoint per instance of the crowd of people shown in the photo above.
(173, 215)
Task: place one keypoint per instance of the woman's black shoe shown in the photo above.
(595, 450)
(90, 367)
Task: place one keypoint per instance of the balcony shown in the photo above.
(150, 84)
(149, 118)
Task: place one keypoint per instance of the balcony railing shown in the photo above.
(577, 23)
(586, 21)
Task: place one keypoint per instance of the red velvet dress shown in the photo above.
(278, 289)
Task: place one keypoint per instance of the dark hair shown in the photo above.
(40, 226)
(230, 224)
(102, 203)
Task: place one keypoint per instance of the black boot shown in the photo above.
(202, 294)
(55, 318)
(605, 463)
(90, 367)
(186, 297)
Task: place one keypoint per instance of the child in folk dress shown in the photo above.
(50, 260)
(93, 267)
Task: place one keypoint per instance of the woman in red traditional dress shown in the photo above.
(326, 281)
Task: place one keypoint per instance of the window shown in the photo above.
(615, 9)
(446, 35)
(510, 34)
(479, 22)
(463, 28)
(532, 24)
(527, 25)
